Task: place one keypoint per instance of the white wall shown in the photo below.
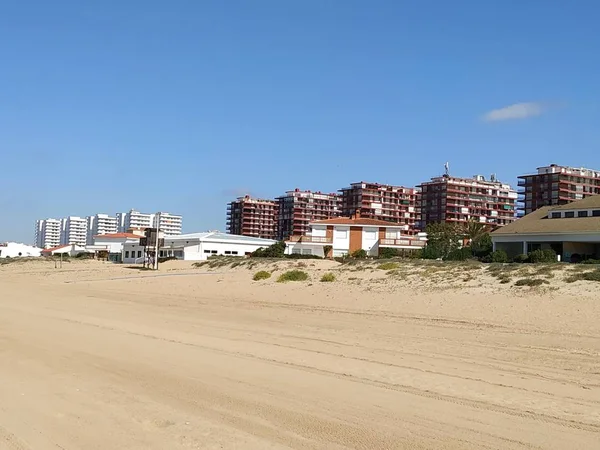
(370, 237)
(16, 250)
(341, 239)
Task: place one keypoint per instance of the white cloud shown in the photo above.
(517, 111)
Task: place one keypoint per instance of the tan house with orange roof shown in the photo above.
(345, 235)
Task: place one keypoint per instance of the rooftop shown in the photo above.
(538, 221)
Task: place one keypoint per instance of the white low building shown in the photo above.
(198, 246)
(16, 250)
(112, 244)
(69, 249)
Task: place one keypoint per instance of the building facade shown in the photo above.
(47, 233)
(296, 209)
(346, 235)
(73, 231)
(247, 216)
(556, 185)
(394, 204)
(571, 230)
(461, 200)
(171, 224)
(18, 250)
(100, 224)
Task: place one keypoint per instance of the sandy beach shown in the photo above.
(415, 356)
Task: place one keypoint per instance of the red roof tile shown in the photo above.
(51, 249)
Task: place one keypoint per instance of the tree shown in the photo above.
(442, 239)
(479, 237)
(277, 250)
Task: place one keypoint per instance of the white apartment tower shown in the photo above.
(171, 224)
(47, 233)
(74, 230)
(100, 224)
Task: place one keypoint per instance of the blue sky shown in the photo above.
(216, 98)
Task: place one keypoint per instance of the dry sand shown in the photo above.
(100, 356)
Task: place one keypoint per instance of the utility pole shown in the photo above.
(157, 240)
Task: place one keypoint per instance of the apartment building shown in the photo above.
(247, 216)
(298, 208)
(460, 200)
(73, 231)
(134, 219)
(171, 224)
(47, 233)
(100, 224)
(556, 185)
(394, 204)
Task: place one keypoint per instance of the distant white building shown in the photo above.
(113, 244)
(74, 231)
(171, 224)
(16, 250)
(47, 233)
(199, 246)
(69, 249)
(100, 224)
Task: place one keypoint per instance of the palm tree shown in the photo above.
(475, 231)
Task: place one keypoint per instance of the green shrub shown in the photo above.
(591, 261)
(388, 253)
(389, 266)
(261, 275)
(328, 278)
(359, 254)
(499, 256)
(292, 275)
(530, 282)
(460, 254)
(504, 278)
(542, 256)
(521, 259)
(584, 276)
(299, 256)
(277, 250)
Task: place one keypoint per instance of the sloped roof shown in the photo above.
(591, 202)
(359, 221)
(51, 249)
(538, 223)
(219, 236)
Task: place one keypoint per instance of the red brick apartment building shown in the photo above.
(460, 200)
(557, 185)
(394, 204)
(248, 216)
(298, 208)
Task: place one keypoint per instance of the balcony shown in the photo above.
(402, 242)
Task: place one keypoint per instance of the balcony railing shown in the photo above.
(403, 242)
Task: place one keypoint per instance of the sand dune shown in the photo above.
(419, 356)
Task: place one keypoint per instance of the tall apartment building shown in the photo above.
(73, 230)
(100, 224)
(460, 200)
(395, 204)
(557, 185)
(171, 224)
(47, 233)
(298, 208)
(134, 219)
(248, 216)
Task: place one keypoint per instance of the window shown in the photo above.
(139, 253)
(227, 252)
(127, 254)
(596, 213)
(207, 251)
(341, 234)
(213, 252)
(582, 213)
(234, 253)
(555, 215)
(570, 214)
